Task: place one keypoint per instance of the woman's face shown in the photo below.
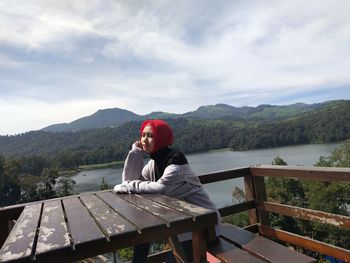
(147, 139)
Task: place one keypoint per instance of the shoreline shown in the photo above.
(115, 164)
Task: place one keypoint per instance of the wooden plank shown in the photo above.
(180, 205)
(111, 222)
(219, 245)
(327, 174)
(169, 215)
(303, 213)
(305, 242)
(237, 255)
(53, 233)
(227, 252)
(262, 247)
(252, 228)
(224, 175)
(237, 208)
(20, 242)
(135, 214)
(198, 213)
(81, 225)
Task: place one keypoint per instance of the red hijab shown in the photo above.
(162, 133)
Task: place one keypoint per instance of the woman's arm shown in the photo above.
(133, 163)
(171, 183)
(140, 187)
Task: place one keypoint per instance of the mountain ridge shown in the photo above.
(330, 123)
(113, 117)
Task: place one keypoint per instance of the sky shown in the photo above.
(63, 60)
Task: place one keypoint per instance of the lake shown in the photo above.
(214, 161)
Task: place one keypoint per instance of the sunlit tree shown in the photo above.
(65, 185)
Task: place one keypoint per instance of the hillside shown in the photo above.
(100, 119)
(115, 117)
(329, 123)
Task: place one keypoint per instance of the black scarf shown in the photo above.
(164, 157)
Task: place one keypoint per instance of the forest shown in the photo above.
(64, 150)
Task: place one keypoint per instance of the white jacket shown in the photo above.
(177, 181)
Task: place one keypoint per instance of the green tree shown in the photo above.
(29, 188)
(278, 161)
(10, 190)
(285, 191)
(239, 219)
(238, 195)
(340, 157)
(104, 185)
(332, 197)
(65, 185)
(46, 188)
(125, 254)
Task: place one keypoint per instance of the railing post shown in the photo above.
(250, 195)
(255, 190)
(260, 195)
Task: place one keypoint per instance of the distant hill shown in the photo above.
(100, 119)
(115, 117)
(328, 122)
(262, 112)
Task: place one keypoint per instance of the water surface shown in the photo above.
(214, 161)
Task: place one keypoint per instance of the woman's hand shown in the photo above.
(120, 189)
(138, 144)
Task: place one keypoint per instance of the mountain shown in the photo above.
(115, 117)
(100, 119)
(328, 123)
(261, 112)
(161, 115)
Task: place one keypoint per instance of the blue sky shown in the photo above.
(62, 60)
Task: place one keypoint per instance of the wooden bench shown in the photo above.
(239, 245)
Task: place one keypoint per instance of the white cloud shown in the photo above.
(139, 55)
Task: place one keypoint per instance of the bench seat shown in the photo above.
(239, 245)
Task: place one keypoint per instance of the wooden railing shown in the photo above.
(258, 207)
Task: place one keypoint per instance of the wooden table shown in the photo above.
(82, 226)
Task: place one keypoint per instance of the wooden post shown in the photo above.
(260, 195)
(250, 195)
(199, 244)
(210, 234)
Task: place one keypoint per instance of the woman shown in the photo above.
(166, 173)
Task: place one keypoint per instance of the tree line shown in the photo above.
(15, 187)
(36, 150)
